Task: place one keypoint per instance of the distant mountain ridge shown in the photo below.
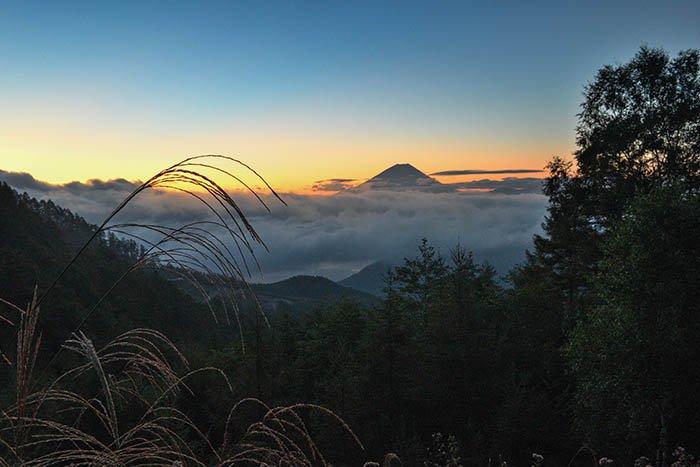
(305, 287)
(401, 177)
(298, 292)
(369, 279)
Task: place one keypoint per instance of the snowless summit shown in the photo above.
(401, 177)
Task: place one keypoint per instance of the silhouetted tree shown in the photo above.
(639, 128)
(418, 279)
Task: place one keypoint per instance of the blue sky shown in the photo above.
(473, 85)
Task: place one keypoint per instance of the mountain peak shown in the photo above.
(401, 177)
(397, 171)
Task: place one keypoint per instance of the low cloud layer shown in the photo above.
(336, 235)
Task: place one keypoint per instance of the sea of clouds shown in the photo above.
(336, 235)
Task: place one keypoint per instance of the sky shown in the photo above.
(315, 95)
(305, 91)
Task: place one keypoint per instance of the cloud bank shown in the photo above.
(336, 235)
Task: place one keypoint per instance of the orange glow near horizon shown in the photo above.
(291, 160)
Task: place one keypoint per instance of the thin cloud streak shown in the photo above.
(486, 172)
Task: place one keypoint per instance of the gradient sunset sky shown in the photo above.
(305, 91)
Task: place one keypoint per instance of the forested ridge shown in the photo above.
(588, 350)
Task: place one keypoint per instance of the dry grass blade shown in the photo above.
(11, 305)
(54, 433)
(280, 437)
(190, 247)
(3, 356)
(28, 344)
(82, 345)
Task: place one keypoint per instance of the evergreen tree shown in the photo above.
(635, 357)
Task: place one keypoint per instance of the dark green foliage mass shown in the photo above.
(619, 258)
(636, 354)
(447, 350)
(38, 238)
